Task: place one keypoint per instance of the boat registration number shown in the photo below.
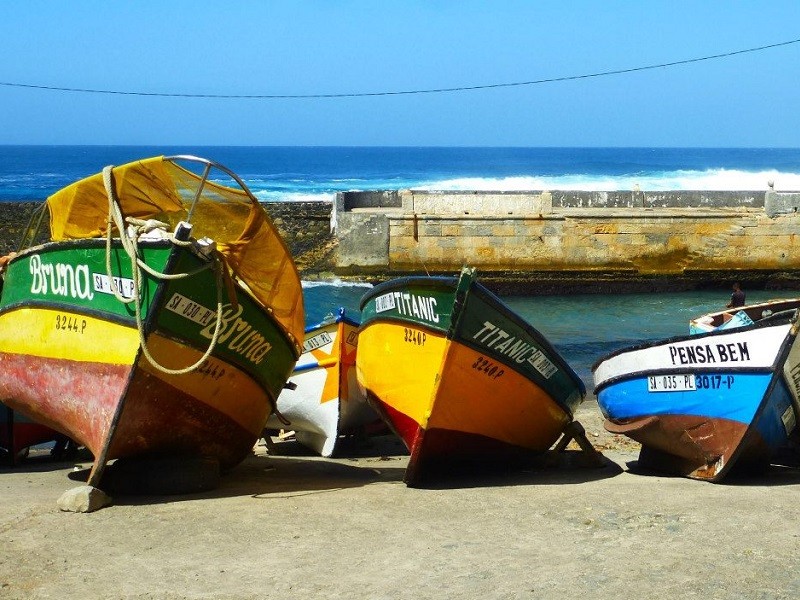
(185, 307)
(671, 383)
(317, 341)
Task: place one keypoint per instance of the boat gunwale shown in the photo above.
(795, 302)
(84, 242)
(340, 317)
(437, 282)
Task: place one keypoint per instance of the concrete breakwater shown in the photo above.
(557, 242)
(538, 242)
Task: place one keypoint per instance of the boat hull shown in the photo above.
(82, 370)
(702, 405)
(743, 315)
(458, 376)
(326, 401)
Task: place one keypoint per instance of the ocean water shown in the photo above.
(300, 173)
(583, 327)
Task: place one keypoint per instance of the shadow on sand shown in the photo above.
(260, 477)
(40, 460)
(293, 470)
(564, 468)
(776, 474)
(554, 468)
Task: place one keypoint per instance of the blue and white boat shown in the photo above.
(701, 404)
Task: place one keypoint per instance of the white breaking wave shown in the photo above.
(269, 196)
(708, 180)
(335, 282)
(711, 180)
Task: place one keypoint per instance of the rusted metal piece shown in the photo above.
(696, 447)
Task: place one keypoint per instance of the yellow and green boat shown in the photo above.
(458, 375)
(162, 318)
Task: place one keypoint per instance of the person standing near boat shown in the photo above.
(737, 297)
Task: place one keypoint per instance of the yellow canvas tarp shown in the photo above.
(157, 188)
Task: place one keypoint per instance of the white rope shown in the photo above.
(114, 218)
(130, 245)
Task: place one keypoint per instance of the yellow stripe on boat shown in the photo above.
(62, 334)
(405, 371)
(216, 383)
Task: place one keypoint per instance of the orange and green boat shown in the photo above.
(459, 376)
(162, 318)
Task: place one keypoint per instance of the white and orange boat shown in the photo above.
(323, 401)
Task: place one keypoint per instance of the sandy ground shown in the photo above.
(300, 526)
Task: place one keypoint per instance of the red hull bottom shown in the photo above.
(76, 399)
(692, 446)
(439, 452)
(80, 400)
(403, 426)
(160, 420)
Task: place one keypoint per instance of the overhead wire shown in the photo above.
(464, 88)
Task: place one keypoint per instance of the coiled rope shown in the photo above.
(129, 242)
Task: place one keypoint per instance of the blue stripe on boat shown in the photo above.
(630, 399)
(305, 367)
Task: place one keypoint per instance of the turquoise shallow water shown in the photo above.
(583, 328)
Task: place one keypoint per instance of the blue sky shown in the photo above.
(353, 46)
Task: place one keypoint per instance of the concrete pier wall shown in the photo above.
(628, 236)
(531, 243)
